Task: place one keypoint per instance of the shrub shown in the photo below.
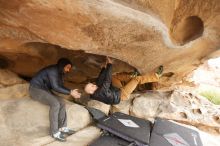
(211, 93)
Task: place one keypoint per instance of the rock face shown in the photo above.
(181, 105)
(124, 106)
(12, 86)
(15, 91)
(8, 78)
(208, 73)
(99, 105)
(136, 32)
(25, 122)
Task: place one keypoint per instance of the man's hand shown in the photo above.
(103, 65)
(75, 93)
(108, 60)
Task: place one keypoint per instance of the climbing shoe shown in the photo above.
(67, 131)
(159, 70)
(135, 73)
(59, 137)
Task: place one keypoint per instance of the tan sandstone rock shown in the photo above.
(124, 106)
(137, 32)
(24, 121)
(105, 108)
(14, 92)
(181, 105)
(8, 78)
(147, 105)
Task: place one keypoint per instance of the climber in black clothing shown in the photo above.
(104, 90)
(109, 88)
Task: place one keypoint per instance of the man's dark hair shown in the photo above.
(62, 62)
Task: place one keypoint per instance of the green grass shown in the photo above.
(211, 93)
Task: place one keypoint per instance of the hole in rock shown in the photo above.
(3, 62)
(168, 74)
(216, 119)
(183, 115)
(146, 86)
(187, 30)
(196, 111)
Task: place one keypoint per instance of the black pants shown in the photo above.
(57, 113)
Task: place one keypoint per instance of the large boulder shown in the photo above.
(14, 92)
(124, 106)
(181, 105)
(25, 122)
(105, 108)
(12, 86)
(207, 74)
(8, 78)
(147, 105)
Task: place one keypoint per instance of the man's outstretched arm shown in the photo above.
(108, 75)
(56, 85)
(101, 77)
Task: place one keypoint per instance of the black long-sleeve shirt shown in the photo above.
(106, 92)
(50, 78)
